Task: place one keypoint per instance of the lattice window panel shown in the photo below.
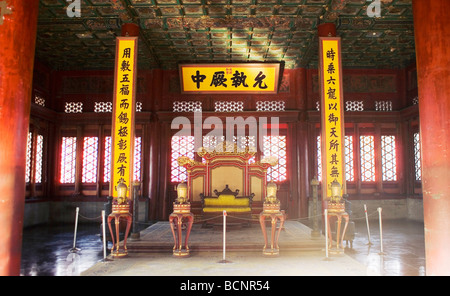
(107, 160)
(137, 158)
(276, 146)
(73, 107)
(388, 158)
(317, 105)
(354, 106)
(181, 146)
(270, 106)
(367, 155)
(39, 159)
(103, 107)
(210, 142)
(28, 160)
(90, 154)
(319, 159)
(244, 142)
(417, 159)
(187, 106)
(68, 158)
(38, 100)
(383, 105)
(138, 106)
(349, 156)
(227, 106)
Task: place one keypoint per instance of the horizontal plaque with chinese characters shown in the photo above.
(230, 78)
(123, 112)
(332, 115)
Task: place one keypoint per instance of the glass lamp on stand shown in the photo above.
(336, 208)
(120, 210)
(272, 210)
(179, 219)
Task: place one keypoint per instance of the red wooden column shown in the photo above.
(18, 22)
(432, 33)
(326, 30)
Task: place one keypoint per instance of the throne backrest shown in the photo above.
(228, 166)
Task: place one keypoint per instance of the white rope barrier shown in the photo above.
(247, 219)
(296, 219)
(235, 217)
(87, 218)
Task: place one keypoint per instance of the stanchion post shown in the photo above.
(74, 248)
(381, 231)
(224, 234)
(224, 238)
(104, 234)
(367, 223)
(326, 233)
(135, 233)
(314, 185)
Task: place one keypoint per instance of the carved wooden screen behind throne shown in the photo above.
(226, 166)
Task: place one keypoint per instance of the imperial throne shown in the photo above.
(228, 179)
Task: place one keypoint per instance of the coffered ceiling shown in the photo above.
(205, 31)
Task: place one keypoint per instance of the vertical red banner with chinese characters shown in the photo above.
(332, 114)
(124, 108)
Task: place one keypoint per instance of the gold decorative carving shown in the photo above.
(271, 160)
(184, 160)
(232, 22)
(181, 208)
(336, 207)
(226, 148)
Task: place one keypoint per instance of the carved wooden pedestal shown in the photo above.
(337, 210)
(273, 212)
(118, 212)
(179, 217)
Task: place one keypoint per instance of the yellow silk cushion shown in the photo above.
(228, 209)
(226, 200)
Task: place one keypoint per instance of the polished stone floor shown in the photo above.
(403, 251)
(46, 252)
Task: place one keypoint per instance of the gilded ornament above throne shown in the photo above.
(226, 148)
